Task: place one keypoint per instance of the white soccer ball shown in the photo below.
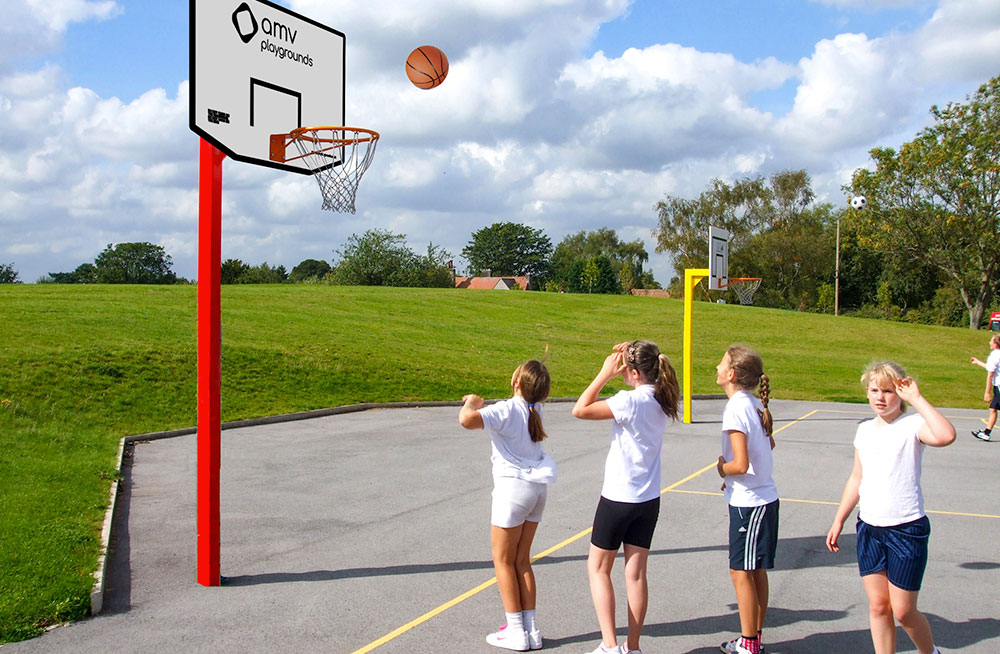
(859, 202)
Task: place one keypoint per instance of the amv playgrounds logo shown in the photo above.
(277, 32)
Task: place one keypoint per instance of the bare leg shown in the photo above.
(505, 542)
(599, 564)
(880, 618)
(746, 599)
(904, 607)
(522, 565)
(992, 420)
(762, 590)
(637, 591)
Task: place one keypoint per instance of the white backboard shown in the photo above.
(257, 69)
(718, 259)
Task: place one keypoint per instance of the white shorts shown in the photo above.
(516, 501)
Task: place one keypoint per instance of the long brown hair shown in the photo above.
(535, 382)
(654, 366)
(749, 368)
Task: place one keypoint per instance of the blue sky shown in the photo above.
(561, 114)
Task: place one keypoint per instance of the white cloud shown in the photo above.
(526, 128)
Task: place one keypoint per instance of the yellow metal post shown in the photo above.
(691, 277)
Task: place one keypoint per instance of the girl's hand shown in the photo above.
(907, 389)
(833, 536)
(473, 401)
(613, 365)
(718, 467)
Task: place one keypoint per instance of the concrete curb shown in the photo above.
(97, 592)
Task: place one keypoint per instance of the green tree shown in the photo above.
(8, 275)
(508, 249)
(134, 263)
(937, 200)
(309, 269)
(232, 270)
(776, 233)
(263, 274)
(376, 258)
(590, 275)
(85, 273)
(433, 270)
(627, 258)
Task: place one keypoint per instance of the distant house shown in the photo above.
(650, 292)
(495, 283)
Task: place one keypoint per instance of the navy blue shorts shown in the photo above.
(901, 551)
(624, 522)
(753, 536)
(995, 402)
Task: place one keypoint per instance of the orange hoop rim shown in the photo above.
(737, 280)
(303, 133)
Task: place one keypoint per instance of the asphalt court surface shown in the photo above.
(370, 532)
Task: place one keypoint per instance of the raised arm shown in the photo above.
(587, 405)
(937, 430)
(469, 416)
(848, 500)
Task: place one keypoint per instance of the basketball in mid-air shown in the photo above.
(859, 202)
(426, 67)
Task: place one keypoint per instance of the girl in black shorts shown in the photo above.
(630, 499)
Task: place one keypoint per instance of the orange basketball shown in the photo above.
(426, 67)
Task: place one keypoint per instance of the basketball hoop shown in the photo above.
(337, 157)
(744, 287)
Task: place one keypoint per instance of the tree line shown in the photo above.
(926, 248)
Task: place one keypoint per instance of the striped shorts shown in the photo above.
(753, 536)
(901, 551)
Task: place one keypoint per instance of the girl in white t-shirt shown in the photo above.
(746, 466)
(630, 499)
(521, 474)
(892, 531)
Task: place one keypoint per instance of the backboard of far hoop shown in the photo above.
(257, 69)
(718, 259)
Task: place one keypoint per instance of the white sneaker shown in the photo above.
(733, 647)
(981, 435)
(626, 650)
(602, 650)
(535, 639)
(509, 639)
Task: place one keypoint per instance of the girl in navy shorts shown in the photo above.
(892, 531)
(746, 466)
(522, 472)
(630, 497)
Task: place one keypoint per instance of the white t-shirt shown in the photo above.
(993, 365)
(514, 453)
(632, 469)
(891, 457)
(755, 487)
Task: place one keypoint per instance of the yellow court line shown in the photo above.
(798, 501)
(486, 584)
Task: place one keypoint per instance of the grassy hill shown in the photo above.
(85, 365)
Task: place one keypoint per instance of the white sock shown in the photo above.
(529, 620)
(514, 621)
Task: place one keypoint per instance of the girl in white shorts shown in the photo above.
(521, 474)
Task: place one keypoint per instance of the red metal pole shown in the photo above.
(209, 360)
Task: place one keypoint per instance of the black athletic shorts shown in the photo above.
(995, 402)
(753, 536)
(623, 522)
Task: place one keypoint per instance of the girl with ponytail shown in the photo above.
(630, 498)
(521, 474)
(746, 467)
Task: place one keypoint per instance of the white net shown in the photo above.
(338, 157)
(744, 287)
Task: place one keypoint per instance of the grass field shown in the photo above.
(85, 365)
